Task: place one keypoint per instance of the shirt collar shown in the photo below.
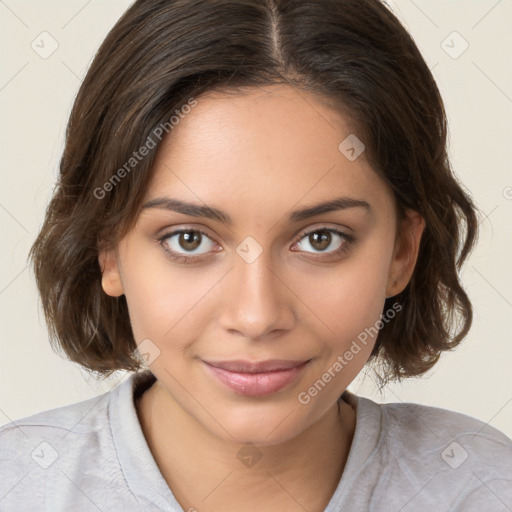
(143, 475)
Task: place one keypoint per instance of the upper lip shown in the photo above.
(240, 366)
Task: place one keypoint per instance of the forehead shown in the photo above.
(269, 148)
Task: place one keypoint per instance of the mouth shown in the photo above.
(256, 378)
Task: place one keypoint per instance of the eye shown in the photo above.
(191, 241)
(184, 245)
(321, 239)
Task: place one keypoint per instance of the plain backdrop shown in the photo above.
(467, 46)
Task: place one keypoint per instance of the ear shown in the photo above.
(111, 276)
(406, 252)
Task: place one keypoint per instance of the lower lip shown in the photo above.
(257, 384)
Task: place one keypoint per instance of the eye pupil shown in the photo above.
(325, 239)
(190, 240)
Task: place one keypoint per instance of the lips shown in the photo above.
(271, 365)
(256, 378)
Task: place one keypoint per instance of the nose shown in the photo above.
(258, 302)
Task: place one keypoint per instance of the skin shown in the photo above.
(257, 156)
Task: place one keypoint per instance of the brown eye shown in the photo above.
(182, 243)
(322, 239)
(189, 240)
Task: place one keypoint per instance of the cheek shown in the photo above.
(338, 302)
(146, 284)
(164, 301)
(349, 297)
(347, 305)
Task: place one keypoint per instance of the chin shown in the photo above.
(265, 425)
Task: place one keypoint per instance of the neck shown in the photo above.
(208, 473)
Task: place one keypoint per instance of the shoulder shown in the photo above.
(46, 450)
(445, 453)
(81, 418)
(42, 438)
(419, 428)
(70, 457)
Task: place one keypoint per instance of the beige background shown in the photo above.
(36, 95)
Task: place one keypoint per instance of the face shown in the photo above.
(255, 281)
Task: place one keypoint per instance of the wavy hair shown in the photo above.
(355, 54)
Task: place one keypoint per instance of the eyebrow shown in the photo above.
(196, 210)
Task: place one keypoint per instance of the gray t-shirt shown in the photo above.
(92, 456)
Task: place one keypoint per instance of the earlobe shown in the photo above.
(111, 277)
(406, 253)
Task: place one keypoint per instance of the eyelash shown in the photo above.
(347, 241)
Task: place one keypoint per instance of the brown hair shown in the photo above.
(162, 53)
